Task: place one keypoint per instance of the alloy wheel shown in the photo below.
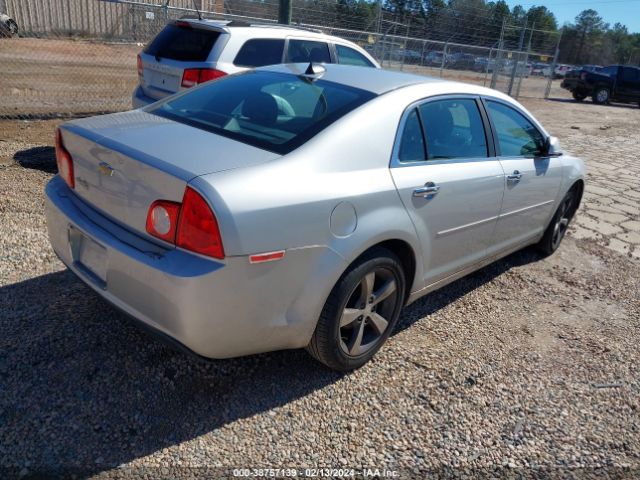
(366, 315)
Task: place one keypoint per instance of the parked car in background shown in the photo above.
(588, 68)
(8, 26)
(302, 205)
(434, 58)
(484, 64)
(619, 83)
(561, 70)
(522, 69)
(461, 61)
(540, 69)
(188, 52)
(405, 55)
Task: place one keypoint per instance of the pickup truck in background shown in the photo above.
(619, 83)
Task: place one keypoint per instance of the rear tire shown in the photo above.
(360, 312)
(578, 97)
(559, 224)
(601, 95)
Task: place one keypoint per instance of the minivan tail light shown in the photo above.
(197, 226)
(64, 161)
(140, 66)
(194, 76)
(162, 220)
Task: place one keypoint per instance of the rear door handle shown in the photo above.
(514, 177)
(429, 190)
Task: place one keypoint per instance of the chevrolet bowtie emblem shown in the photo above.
(105, 169)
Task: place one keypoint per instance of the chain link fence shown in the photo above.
(78, 57)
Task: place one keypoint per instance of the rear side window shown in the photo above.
(308, 51)
(183, 43)
(270, 110)
(453, 129)
(517, 136)
(412, 141)
(259, 52)
(349, 56)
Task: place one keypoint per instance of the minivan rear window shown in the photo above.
(269, 110)
(183, 43)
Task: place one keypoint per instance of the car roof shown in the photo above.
(267, 29)
(380, 81)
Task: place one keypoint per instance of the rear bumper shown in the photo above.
(139, 99)
(216, 309)
(573, 84)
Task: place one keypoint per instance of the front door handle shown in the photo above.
(429, 190)
(514, 177)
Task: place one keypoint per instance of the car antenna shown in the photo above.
(314, 69)
(198, 11)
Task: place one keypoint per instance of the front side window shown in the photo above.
(259, 52)
(270, 110)
(305, 51)
(517, 136)
(453, 129)
(349, 56)
(611, 70)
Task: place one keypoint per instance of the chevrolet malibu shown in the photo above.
(302, 206)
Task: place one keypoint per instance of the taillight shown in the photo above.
(194, 76)
(197, 227)
(190, 225)
(162, 220)
(140, 67)
(64, 161)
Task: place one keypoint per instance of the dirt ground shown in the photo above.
(527, 367)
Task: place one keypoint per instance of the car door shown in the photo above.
(531, 181)
(449, 181)
(304, 50)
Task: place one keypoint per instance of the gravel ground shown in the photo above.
(527, 367)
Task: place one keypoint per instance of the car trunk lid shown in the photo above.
(124, 162)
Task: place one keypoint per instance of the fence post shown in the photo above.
(517, 60)
(547, 91)
(3, 6)
(497, 65)
(444, 57)
(526, 60)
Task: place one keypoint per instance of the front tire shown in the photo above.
(360, 312)
(601, 96)
(557, 229)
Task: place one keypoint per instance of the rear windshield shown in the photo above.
(183, 43)
(270, 110)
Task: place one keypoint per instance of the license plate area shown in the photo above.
(89, 257)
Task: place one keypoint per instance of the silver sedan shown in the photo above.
(302, 206)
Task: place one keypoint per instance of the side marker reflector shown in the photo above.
(266, 257)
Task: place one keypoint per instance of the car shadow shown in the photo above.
(571, 100)
(37, 158)
(84, 390)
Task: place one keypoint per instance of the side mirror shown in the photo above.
(552, 147)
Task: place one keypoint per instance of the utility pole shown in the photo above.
(284, 12)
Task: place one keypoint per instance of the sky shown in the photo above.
(627, 12)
